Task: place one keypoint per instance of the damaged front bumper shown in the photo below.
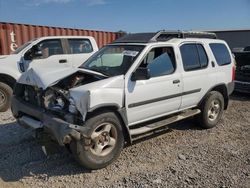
(37, 118)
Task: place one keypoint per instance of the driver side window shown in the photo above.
(160, 61)
(50, 47)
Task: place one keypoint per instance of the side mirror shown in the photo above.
(141, 73)
(33, 52)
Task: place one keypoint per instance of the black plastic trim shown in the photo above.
(163, 98)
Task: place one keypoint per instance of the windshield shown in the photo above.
(113, 60)
(19, 49)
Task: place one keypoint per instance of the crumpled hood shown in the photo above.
(45, 77)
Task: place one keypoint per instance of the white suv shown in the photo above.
(127, 90)
(54, 51)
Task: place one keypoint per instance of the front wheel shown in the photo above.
(107, 140)
(5, 96)
(211, 110)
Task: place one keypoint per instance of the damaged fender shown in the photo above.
(100, 93)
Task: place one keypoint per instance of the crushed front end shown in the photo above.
(52, 111)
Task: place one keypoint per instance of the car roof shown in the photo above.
(65, 37)
(164, 36)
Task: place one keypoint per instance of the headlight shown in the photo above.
(72, 106)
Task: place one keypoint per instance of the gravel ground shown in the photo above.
(184, 156)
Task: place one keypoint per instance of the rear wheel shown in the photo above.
(107, 140)
(211, 110)
(5, 96)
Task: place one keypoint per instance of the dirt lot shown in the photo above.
(185, 156)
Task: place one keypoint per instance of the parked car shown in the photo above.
(242, 77)
(53, 52)
(128, 89)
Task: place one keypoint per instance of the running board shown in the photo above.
(159, 124)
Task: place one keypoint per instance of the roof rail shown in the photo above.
(166, 35)
(163, 35)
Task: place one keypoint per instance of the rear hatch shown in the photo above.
(242, 65)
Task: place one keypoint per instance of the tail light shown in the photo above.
(233, 72)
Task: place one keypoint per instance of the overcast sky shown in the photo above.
(129, 15)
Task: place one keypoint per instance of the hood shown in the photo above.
(3, 56)
(242, 58)
(44, 77)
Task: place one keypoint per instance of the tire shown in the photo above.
(5, 96)
(112, 141)
(211, 110)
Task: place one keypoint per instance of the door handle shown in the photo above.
(63, 61)
(176, 81)
(213, 64)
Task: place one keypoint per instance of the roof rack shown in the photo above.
(163, 35)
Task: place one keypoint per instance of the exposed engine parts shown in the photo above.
(55, 99)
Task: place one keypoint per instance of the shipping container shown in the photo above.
(237, 38)
(13, 35)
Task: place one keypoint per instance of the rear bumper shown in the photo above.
(36, 118)
(243, 87)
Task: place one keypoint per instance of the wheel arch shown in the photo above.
(118, 111)
(221, 88)
(7, 79)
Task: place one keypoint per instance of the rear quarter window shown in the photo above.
(221, 53)
(194, 56)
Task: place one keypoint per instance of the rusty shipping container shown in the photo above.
(13, 35)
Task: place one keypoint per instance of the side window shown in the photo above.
(202, 55)
(50, 47)
(160, 61)
(193, 56)
(221, 53)
(80, 46)
(190, 57)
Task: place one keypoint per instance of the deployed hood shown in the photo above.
(44, 77)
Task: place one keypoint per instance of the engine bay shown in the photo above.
(56, 98)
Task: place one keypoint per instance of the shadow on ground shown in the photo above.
(236, 96)
(21, 156)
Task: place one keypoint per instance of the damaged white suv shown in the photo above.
(125, 91)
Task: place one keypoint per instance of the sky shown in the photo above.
(130, 15)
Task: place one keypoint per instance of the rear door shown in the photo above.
(199, 73)
(80, 50)
(159, 95)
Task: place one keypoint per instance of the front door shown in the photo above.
(52, 55)
(159, 95)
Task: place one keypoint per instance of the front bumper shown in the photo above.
(37, 118)
(243, 87)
